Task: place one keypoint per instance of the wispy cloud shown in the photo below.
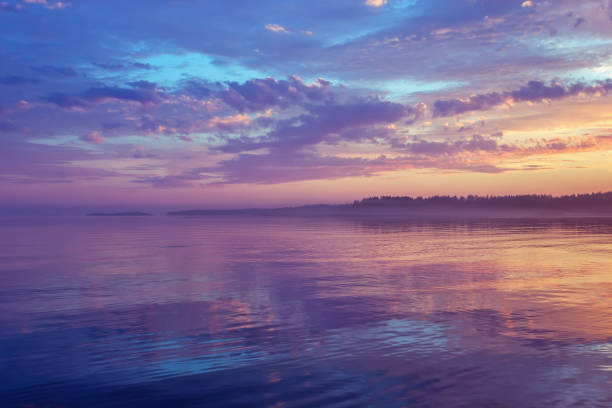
(375, 3)
(275, 28)
(11, 8)
(52, 5)
(534, 91)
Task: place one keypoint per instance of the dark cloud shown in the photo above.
(143, 95)
(66, 101)
(110, 66)
(112, 125)
(18, 80)
(141, 65)
(579, 21)
(119, 66)
(197, 87)
(54, 71)
(143, 85)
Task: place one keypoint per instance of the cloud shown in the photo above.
(66, 101)
(534, 91)
(6, 126)
(527, 3)
(276, 167)
(52, 5)
(261, 94)
(185, 179)
(11, 8)
(476, 154)
(143, 85)
(579, 21)
(93, 137)
(449, 107)
(475, 143)
(27, 163)
(325, 122)
(229, 123)
(53, 71)
(18, 80)
(119, 66)
(143, 95)
(488, 149)
(275, 28)
(197, 87)
(375, 3)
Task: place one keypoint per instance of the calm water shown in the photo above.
(272, 312)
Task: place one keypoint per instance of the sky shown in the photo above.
(245, 103)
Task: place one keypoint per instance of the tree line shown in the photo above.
(525, 201)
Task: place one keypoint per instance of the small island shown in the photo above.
(118, 214)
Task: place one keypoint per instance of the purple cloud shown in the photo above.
(474, 144)
(534, 91)
(93, 137)
(119, 66)
(260, 94)
(37, 163)
(143, 85)
(322, 122)
(579, 21)
(18, 80)
(11, 8)
(197, 88)
(53, 71)
(7, 126)
(142, 95)
(475, 154)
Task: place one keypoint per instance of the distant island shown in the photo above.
(118, 214)
(529, 205)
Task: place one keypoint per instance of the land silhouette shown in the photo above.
(528, 205)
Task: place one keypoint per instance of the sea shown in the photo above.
(279, 312)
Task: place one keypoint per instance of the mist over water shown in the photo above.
(305, 312)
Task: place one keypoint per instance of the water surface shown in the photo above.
(241, 311)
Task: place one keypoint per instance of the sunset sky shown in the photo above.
(269, 102)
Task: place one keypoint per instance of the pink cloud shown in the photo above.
(93, 137)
